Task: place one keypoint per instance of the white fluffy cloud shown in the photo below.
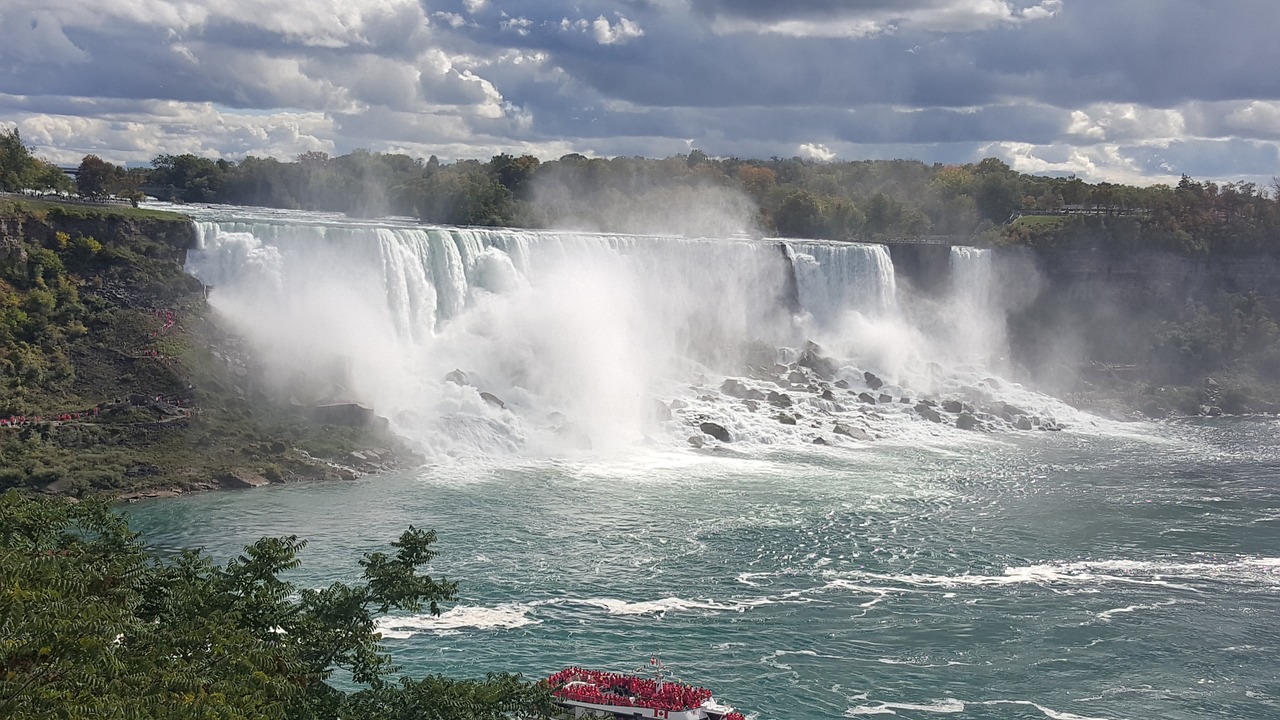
(1092, 87)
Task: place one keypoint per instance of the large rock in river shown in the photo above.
(824, 367)
(345, 414)
(242, 478)
(928, 413)
(716, 431)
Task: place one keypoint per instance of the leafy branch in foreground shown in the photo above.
(93, 626)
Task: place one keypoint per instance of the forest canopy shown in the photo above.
(985, 201)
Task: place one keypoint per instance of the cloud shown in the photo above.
(816, 151)
(619, 32)
(1143, 89)
(835, 19)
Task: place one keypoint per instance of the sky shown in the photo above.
(1135, 91)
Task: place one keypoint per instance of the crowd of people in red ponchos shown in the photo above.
(23, 420)
(606, 688)
(167, 319)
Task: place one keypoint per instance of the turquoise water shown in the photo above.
(1130, 573)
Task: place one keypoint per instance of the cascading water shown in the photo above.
(581, 335)
(977, 326)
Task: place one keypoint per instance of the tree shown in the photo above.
(800, 216)
(93, 626)
(16, 161)
(95, 176)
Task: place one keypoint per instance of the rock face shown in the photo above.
(659, 411)
(716, 431)
(734, 388)
(344, 414)
(824, 367)
(928, 413)
(242, 478)
(855, 433)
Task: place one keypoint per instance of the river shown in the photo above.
(1110, 570)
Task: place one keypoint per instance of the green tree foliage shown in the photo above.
(21, 170)
(96, 177)
(91, 625)
(792, 196)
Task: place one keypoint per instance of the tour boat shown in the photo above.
(587, 693)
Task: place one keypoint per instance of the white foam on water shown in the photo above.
(952, 706)
(1168, 574)
(948, 706)
(1106, 615)
(664, 605)
(1048, 712)
(506, 616)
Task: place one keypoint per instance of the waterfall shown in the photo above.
(591, 327)
(977, 324)
(837, 277)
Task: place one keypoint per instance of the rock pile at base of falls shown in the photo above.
(815, 391)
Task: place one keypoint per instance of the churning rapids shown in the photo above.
(906, 567)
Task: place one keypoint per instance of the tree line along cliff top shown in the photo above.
(984, 202)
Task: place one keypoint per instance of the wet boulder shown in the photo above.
(885, 398)
(696, 441)
(734, 388)
(344, 414)
(242, 478)
(659, 411)
(928, 413)
(786, 419)
(850, 432)
(1022, 422)
(779, 399)
(824, 367)
(493, 400)
(842, 384)
(819, 441)
(828, 395)
(952, 406)
(967, 421)
(716, 431)
(872, 381)
(866, 398)
(457, 377)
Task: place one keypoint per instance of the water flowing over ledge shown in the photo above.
(474, 341)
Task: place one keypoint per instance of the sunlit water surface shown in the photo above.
(1127, 573)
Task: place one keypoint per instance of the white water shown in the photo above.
(583, 335)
